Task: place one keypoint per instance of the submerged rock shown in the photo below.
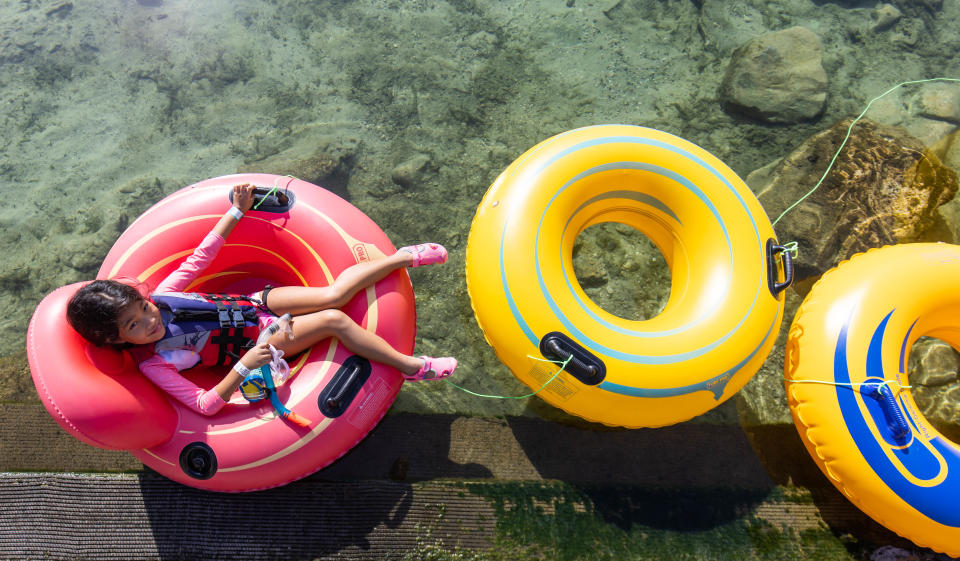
(930, 112)
(916, 8)
(933, 363)
(622, 271)
(324, 160)
(933, 374)
(724, 29)
(409, 172)
(884, 17)
(777, 77)
(938, 101)
(883, 189)
(948, 149)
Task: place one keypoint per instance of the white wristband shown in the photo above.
(242, 370)
(235, 212)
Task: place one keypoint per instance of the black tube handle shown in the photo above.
(260, 193)
(343, 388)
(333, 402)
(589, 370)
(772, 250)
(270, 199)
(581, 363)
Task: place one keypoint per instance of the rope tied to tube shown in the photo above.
(547, 383)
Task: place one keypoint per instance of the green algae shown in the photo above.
(562, 521)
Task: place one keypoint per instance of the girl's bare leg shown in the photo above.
(299, 300)
(312, 328)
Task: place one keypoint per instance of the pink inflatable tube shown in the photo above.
(305, 237)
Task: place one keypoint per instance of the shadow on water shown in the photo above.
(405, 447)
(681, 477)
(690, 476)
(672, 509)
(685, 455)
(684, 477)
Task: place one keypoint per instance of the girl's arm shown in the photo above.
(166, 377)
(205, 402)
(251, 360)
(205, 253)
(242, 201)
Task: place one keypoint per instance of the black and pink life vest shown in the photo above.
(194, 319)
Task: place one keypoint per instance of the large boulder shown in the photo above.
(931, 113)
(777, 78)
(883, 189)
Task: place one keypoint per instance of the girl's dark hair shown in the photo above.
(94, 310)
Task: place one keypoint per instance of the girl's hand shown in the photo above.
(243, 196)
(257, 356)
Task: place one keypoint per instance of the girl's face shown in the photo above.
(140, 323)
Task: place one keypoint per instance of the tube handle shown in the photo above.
(896, 422)
(772, 250)
(334, 401)
(270, 199)
(581, 363)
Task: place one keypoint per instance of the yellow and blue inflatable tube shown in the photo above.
(846, 380)
(724, 309)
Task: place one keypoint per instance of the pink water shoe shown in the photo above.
(433, 369)
(426, 253)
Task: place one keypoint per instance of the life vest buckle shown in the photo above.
(224, 317)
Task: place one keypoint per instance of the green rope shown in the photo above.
(276, 187)
(792, 248)
(263, 198)
(850, 130)
(547, 383)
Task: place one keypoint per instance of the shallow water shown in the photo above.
(107, 107)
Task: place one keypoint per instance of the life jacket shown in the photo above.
(193, 319)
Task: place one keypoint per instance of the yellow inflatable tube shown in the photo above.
(846, 372)
(724, 309)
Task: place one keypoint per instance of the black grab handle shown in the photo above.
(346, 383)
(772, 250)
(581, 363)
(335, 401)
(270, 199)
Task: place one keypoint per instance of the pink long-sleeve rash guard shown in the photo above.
(164, 371)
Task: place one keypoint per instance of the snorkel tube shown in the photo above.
(261, 382)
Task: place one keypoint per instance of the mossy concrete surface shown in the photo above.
(446, 487)
(145, 516)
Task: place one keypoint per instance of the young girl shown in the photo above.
(111, 312)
